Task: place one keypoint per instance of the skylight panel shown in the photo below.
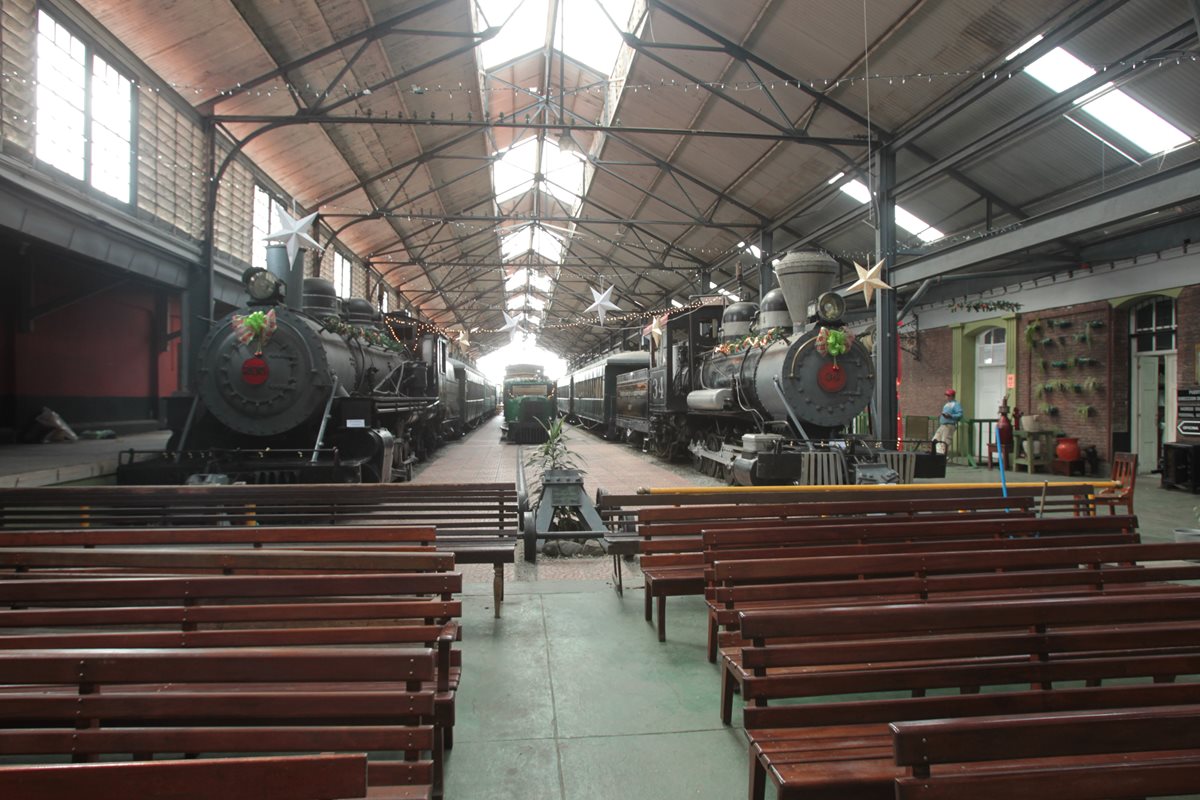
(512, 174)
(564, 173)
(518, 280)
(546, 244)
(525, 278)
(1023, 48)
(589, 37)
(523, 300)
(856, 189)
(917, 226)
(1058, 70)
(523, 29)
(539, 281)
(515, 243)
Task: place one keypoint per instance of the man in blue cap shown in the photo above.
(951, 413)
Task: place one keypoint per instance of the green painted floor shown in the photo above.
(570, 696)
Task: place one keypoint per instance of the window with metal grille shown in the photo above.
(84, 112)
(1152, 325)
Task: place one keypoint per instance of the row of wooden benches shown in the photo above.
(149, 650)
(478, 524)
(868, 606)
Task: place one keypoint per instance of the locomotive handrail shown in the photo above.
(522, 486)
(325, 418)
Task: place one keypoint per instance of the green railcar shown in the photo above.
(530, 404)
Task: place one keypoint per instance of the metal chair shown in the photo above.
(1124, 470)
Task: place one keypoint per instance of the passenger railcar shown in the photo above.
(594, 395)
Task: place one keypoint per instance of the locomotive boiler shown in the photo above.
(318, 390)
(755, 395)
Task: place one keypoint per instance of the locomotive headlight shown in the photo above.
(830, 307)
(262, 286)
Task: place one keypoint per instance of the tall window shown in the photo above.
(84, 112)
(1152, 324)
(385, 301)
(341, 274)
(264, 221)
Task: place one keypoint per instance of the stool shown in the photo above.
(991, 452)
(1068, 468)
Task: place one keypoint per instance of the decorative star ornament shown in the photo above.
(293, 233)
(511, 325)
(868, 280)
(602, 303)
(464, 339)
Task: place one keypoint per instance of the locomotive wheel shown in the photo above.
(727, 474)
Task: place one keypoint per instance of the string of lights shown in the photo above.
(316, 94)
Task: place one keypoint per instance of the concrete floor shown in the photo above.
(569, 696)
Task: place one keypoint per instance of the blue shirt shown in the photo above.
(951, 413)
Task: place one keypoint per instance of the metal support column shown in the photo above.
(886, 355)
(766, 274)
(198, 297)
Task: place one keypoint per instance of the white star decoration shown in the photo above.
(868, 280)
(293, 233)
(464, 338)
(510, 324)
(603, 303)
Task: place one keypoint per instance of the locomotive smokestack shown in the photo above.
(292, 275)
(803, 275)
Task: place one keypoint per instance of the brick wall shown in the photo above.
(1065, 364)
(1187, 340)
(923, 382)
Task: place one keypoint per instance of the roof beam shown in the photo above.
(1174, 186)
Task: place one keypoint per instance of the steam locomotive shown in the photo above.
(752, 394)
(318, 390)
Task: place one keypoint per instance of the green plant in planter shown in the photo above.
(1032, 329)
(1084, 361)
(1095, 323)
(1064, 386)
(1083, 337)
(1063, 323)
(554, 453)
(1084, 411)
(1047, 409)
(1048, 342)
(1041, 389)
(1091, 385)
(1041, 362)
(1077, 388)
(1059, 364)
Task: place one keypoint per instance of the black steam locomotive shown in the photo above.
(749, 395)
(322, 391)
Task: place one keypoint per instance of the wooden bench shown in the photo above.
(214, 611)
(673, 557)
(316, 777)
(479, 524)
(323, 537)
(89, 703)
(849, 663)
(1034, 571)
(1083, 755)
(738, 582)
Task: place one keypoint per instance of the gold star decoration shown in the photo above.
(868, 280)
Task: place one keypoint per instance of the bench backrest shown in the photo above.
(452, 508)
(344, 536)
(314, 777)
(1153, 752)
(173, 559)
(959, 645)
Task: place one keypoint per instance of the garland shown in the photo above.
(255, 327)
(833, 343)
(371, 336)
(746, 342)
(985, 306)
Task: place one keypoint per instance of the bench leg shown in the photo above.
(648, 588)
(617, 584)
(662, 617)
(448, 738)
(728, 684)
(497, 587)
(758, 779)
(712, 638)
